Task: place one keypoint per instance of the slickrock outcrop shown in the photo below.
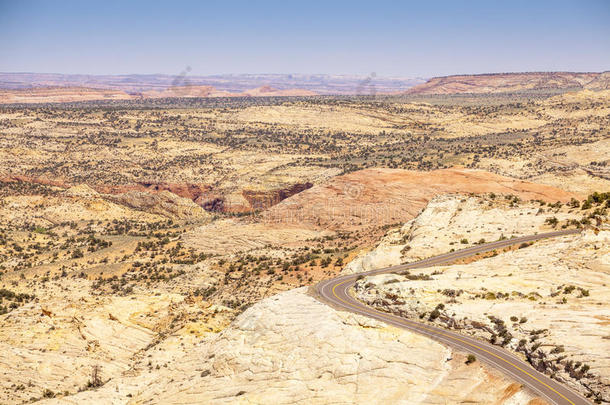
(291, 348)
(446, 222)
(547, 301)
(232, 235)
(57, 351)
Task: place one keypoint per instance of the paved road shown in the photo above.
(336, 293)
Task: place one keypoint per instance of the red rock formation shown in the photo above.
(186, 190)
(380, 196)
(260, 200)
(211, 202)
(202, 194)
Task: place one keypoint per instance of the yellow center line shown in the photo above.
(382, 315)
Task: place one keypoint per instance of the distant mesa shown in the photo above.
(59, 95)
(511, 83)
(210, 91)
(227, 85)
(56, 88)
(180, 91)
(77, 94)
(270, 91)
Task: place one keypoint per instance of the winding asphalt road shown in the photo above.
(336, 293)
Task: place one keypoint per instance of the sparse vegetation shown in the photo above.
(58, 242)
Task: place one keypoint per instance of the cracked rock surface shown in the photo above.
(292, 349)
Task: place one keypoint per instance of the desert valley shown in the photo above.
(161, 242)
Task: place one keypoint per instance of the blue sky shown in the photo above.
(401, 38)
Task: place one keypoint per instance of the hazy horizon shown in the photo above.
(354, 75)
